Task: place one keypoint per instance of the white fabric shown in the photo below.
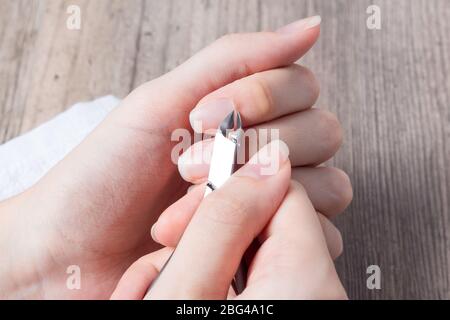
(25, 159)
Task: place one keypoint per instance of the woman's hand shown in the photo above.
(292, 262)
(95, 208)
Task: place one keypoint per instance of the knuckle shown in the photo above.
(228, 210)
(228, 43)
(262, 96)
(330, 130)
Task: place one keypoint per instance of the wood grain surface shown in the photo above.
(389, 87)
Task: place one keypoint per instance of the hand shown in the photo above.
(292, 262)
(94, 209)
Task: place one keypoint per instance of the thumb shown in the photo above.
(223, 227)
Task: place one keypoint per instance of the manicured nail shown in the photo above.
(192, 164)
(209, 114)
(267, 161)
(300, 25)
(152, 232)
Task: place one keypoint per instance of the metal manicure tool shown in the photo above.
(226, 143)
(223, 164)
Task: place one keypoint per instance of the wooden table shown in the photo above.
(389, 87)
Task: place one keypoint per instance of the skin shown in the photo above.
(95, 208)
(292, 262)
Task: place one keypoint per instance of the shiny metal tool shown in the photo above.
(223, 164)
(226, 143)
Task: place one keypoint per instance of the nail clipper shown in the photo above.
(223, 164)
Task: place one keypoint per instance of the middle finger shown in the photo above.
(259, 98)
(313, 136)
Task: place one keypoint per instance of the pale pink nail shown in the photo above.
(193, 163)
(210, 114)
(300, 25)
(153, 232)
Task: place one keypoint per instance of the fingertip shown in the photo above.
(208, 114)
(333, 237)
(183, 168)
(174, 220)
(193, 164)
(162, 231)
(304, 33)
(310, 23)
(153, 233)
(136, 279)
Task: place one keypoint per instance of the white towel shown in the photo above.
(25, 159)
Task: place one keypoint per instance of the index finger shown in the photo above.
(232, 57)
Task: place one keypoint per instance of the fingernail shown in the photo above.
(209, 114)
(267, 161)
(301, 25)
(152, 232)
(192, 164)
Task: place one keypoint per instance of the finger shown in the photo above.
(328, 188)
(230, 58)
(174, 220)
(259, 98)
(138, 277)
(171, 224)
(333, 237)
(293, 261)
(223, 227)
(313, 136)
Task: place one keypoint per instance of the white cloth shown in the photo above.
(25, 159)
